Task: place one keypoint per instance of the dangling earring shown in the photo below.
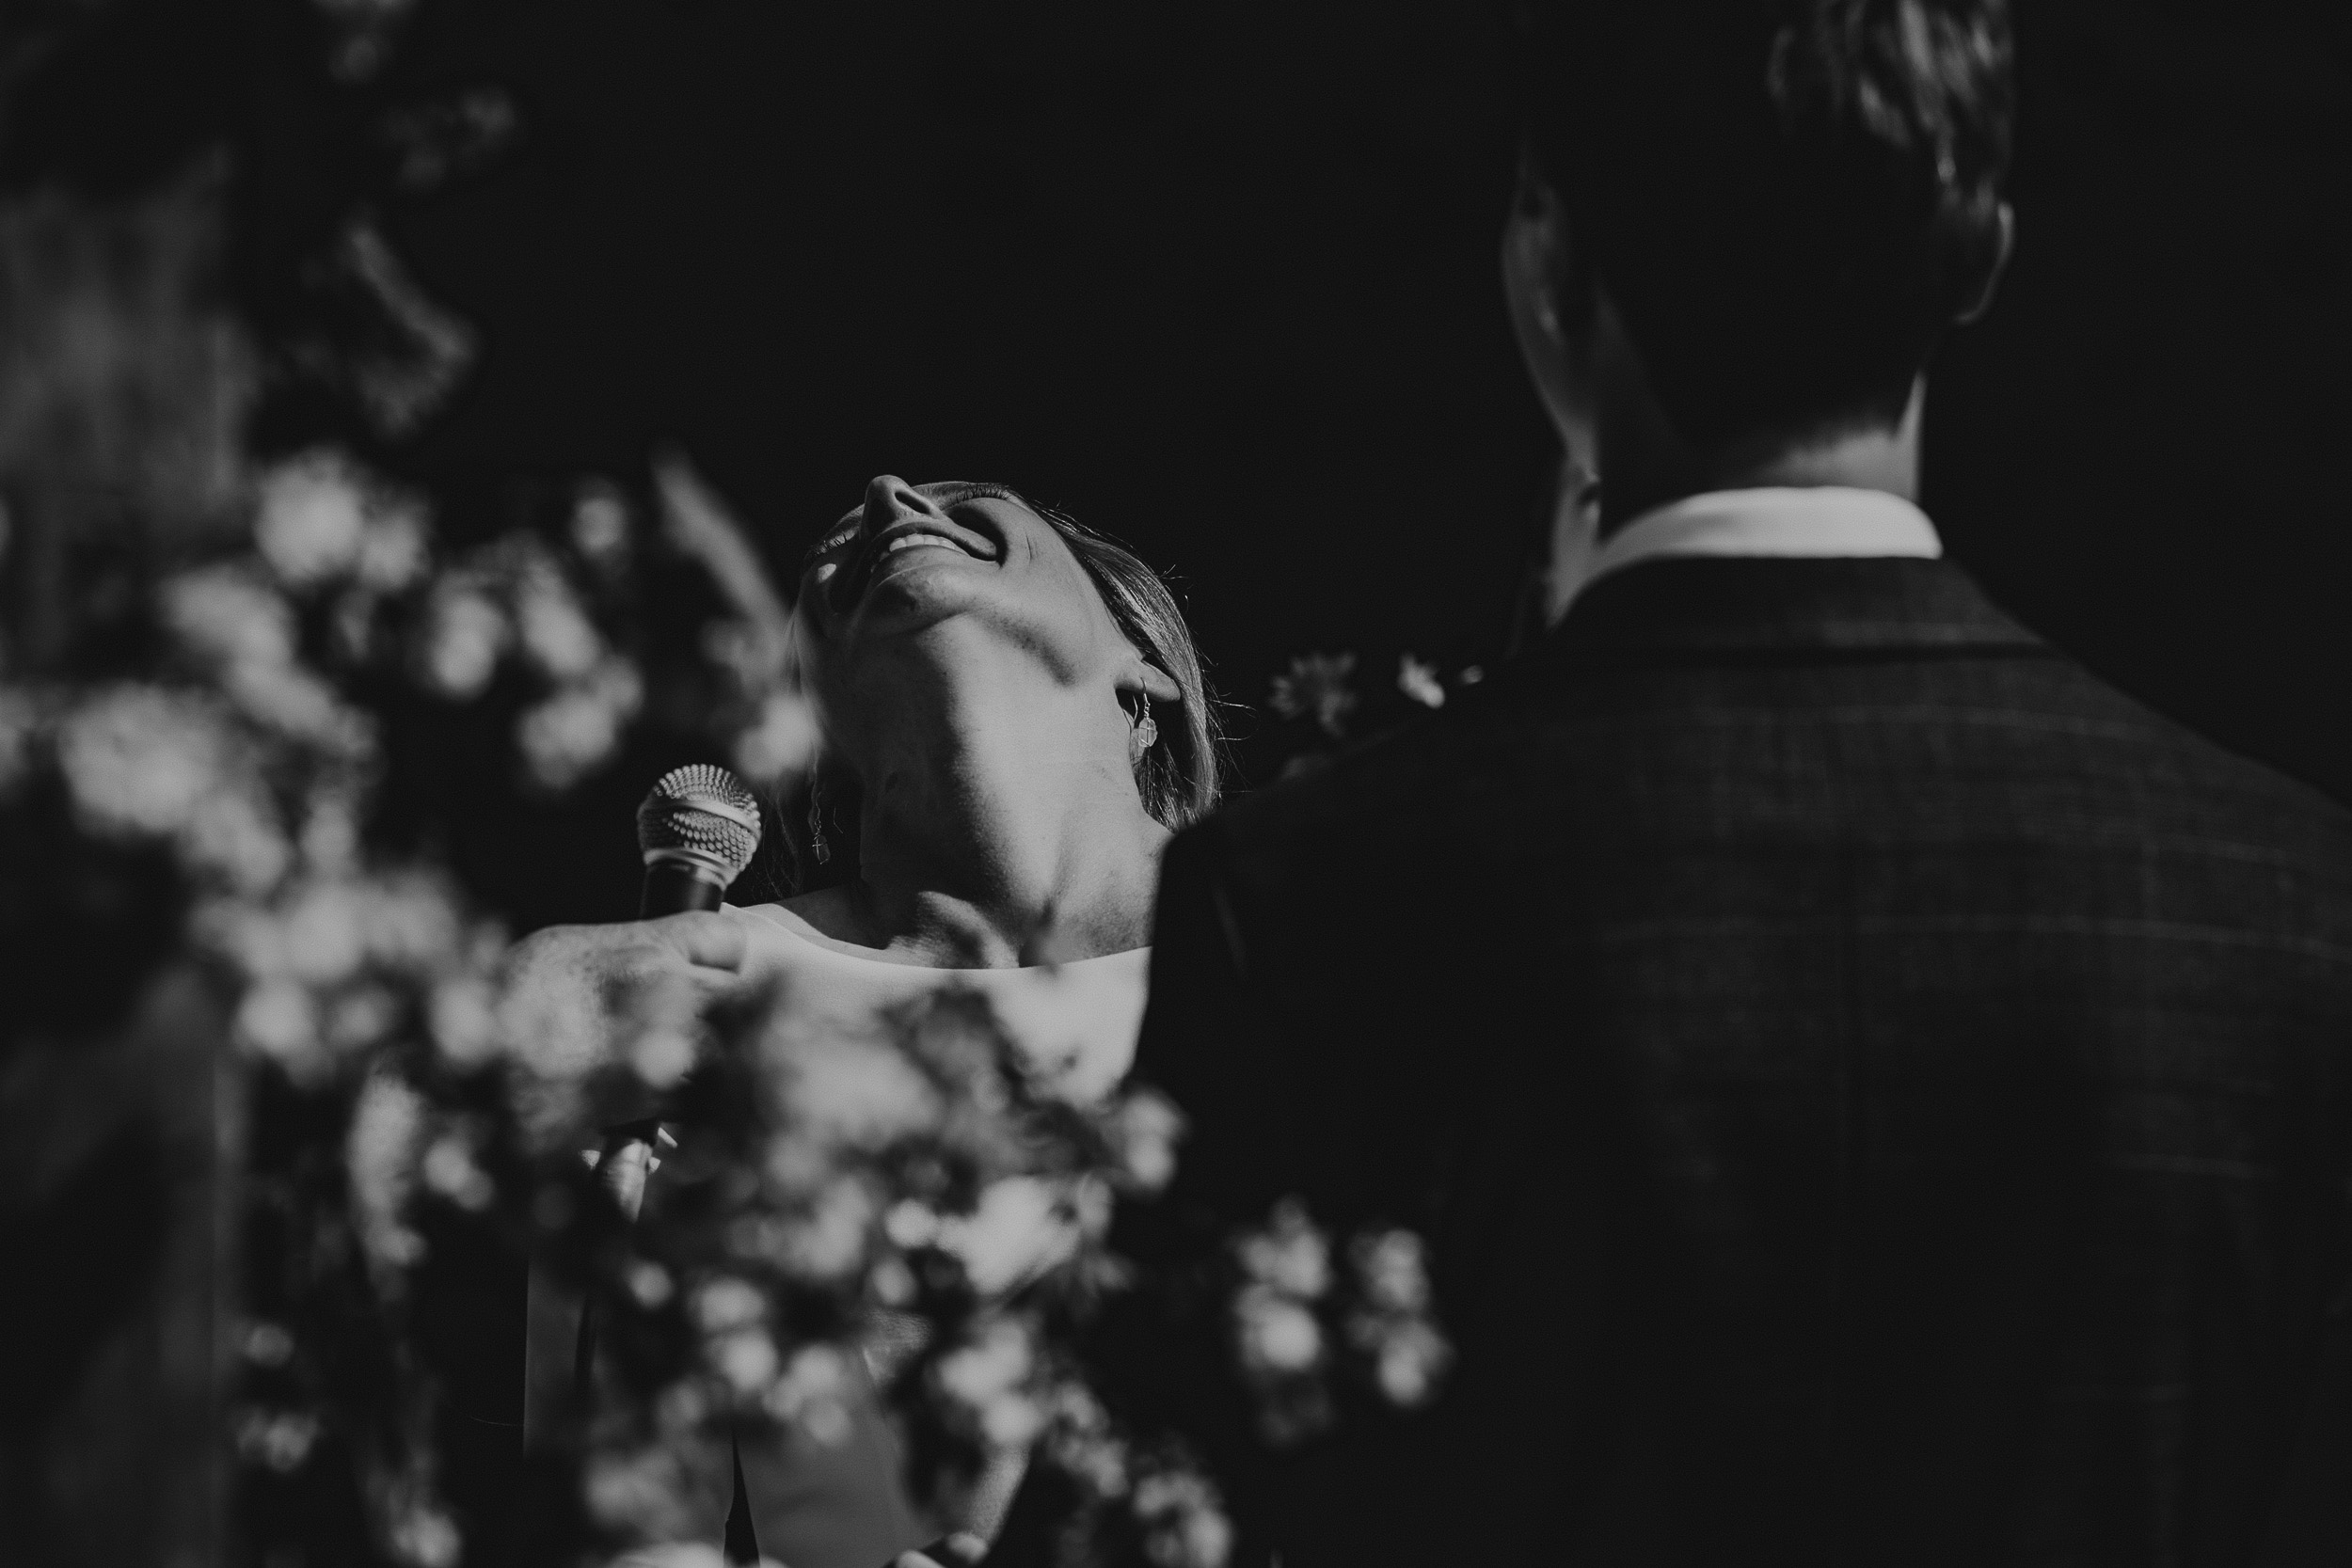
(1146, 731)
(817, 844)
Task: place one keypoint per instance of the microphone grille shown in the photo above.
(704, 811)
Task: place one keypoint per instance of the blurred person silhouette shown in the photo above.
(1873, 1092)
(1013, 720)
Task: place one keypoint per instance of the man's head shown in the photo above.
(1778, 205)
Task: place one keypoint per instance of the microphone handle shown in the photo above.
(672, 888)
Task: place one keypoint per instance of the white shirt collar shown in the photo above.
(1816, 521)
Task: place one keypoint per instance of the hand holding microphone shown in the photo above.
(697, 830)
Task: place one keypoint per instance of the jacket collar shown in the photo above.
(1688, 604)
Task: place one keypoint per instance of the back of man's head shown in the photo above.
(1785, 201)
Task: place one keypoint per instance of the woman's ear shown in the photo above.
(1143, 675)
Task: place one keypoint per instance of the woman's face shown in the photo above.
(915, 559)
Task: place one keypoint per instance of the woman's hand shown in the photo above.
(577, 998)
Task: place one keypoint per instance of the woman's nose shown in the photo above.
(888, 498)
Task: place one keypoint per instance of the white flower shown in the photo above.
(1277, 1335)
(1147, 1127)
(380, 1154)
(644, 1492)
(324, 939)
(813, 1394)
(141, 760)
(726, 1303)
(1021, 1228)
(426, 1537)
(278, 1019)
(1394, 1274)
(409, 922)
(565, 738)
(746, 1358)
(556, 633)
(649, 1283)
(448, 1169)
(394, 548)
(600, 522)
(831, 1239)
(1419, 681)
(783, 739)
(279, 1439)
(1315, 687)
(465, 634)
(313, 511)
(1412, 1357)
(1290, 1255)
(228, 618)
(233, 832)
(995, 1362)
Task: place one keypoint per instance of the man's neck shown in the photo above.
(1647, 467)
(990, 822)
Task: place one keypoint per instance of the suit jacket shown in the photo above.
(1874, 1094)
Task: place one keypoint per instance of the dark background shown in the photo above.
(1220, 280)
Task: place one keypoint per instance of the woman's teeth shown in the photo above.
(917, 542)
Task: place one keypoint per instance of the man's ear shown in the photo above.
(1539, 264)
(1979, 299)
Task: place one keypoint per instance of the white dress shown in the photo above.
(843, 1507)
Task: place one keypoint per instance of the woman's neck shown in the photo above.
(991, 827)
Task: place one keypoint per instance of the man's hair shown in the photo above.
(1179, 775)
(1787, 200)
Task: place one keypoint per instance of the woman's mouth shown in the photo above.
(902, 539)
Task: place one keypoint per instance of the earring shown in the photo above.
(817, 844)
(1145, 733)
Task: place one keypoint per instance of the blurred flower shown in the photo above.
(1316, 686)
(424, 1536)
(1411, 1361)
(556, 632)
(229, 618)
(380, 1155)
(465, 634)
(565, 736)
(600, 523)
(649, 1283)
(268, 1345)
(783, 739)
(1395, 1275)
(1184, 1519)
(1277, 1333)
(448, 1169)
(1419, 681)
(277, 1018)
(1021, 1228)
(746, 1358)
(728, 1303)
(325, 940)
(1290, 1254)
(232, 833)
(833, 1234)
(642, 1492)
(313, 514)
(140, 759)
(813, 1394)
(989, 1368)
(1147, 1126)
(278, 1440)
(395, 547)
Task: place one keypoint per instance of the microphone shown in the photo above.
(698, 829)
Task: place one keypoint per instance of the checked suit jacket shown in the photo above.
(1873, 1094)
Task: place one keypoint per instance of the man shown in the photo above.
(1874, 1093)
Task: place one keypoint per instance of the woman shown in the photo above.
(1014, 723)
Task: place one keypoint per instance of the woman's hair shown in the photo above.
(1179, 776)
